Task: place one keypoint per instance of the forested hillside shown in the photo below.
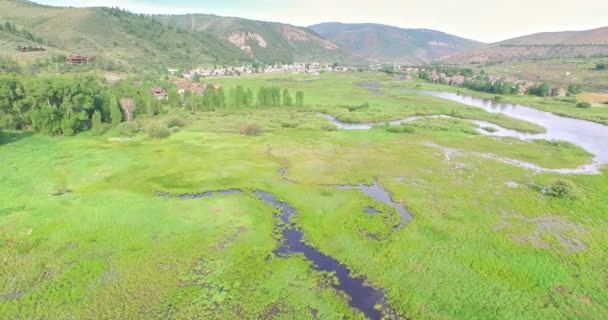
(261, 40)
(116, 39)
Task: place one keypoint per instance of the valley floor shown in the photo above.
(85, 234)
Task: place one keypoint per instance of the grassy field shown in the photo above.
(85, 236)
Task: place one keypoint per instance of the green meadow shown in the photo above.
(84, 234)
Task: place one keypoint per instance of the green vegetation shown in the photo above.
(562, 188)
(85, 234)
(584, 105)
(66, 105)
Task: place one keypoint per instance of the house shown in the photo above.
(76, 59)
(160, 93)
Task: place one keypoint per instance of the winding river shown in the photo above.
(363, 298)
(591, 136)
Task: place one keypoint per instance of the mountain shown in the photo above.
(116, 38)
(260, 40)
(382, 43)
(540, 46)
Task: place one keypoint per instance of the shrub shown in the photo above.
(562, 188)
(290, 123)
(584, 105)
(128, 129)
(401, 129)
(175, 129)
(329, 127)
(251, 129)
(157, 131)
(96, 126)
(489, 129)
(176, 121)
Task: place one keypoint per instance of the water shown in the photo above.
(378, 194)
(588, 135)
(362, 297)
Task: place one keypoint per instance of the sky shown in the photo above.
(473, 19)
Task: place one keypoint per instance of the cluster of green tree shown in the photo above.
(213, 99)
(272, 97)
(22, 33)
(601, 66)
(240, 97)
(66, 105)
(485, 84)
(448, 70)
(51, 105)
(541, 90)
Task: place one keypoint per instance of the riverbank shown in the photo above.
(559, 106)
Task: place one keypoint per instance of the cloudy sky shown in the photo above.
(475, 19)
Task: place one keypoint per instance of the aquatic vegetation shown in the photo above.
(85, 234)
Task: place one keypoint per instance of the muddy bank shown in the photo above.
(375, 191)
(378, 194)
(362, 297)
(450, 153)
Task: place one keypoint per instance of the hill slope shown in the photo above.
(381, 43)
(117, 39)
(265, 41)
(544, 45)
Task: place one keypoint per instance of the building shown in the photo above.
(76, 59)
(160, 93)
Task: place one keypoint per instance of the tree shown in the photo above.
(128, 108)
(287, 101)
(574, 89)
(209, 99)
(299, 99)
(96, 123)
(174, 98)
(220, 98)
(262, 97)
(275, 97)
(115, 114)
(239, 97)
(248, 100)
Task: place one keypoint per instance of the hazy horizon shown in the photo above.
(469, 19)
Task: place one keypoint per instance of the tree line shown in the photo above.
(69, 104)
(483, 83)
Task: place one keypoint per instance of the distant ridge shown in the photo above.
(383, 43)
(543, 45)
